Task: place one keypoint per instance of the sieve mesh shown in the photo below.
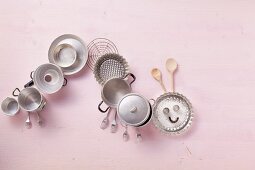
(110, 66)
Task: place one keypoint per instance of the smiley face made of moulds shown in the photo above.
(172, 113)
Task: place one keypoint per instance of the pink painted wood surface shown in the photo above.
(213, 42)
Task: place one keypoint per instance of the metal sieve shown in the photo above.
(110, 66)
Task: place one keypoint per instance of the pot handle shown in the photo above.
(65, 82)
(152, 101)
(13, 93)
(133, 77)
(32, 74)
(31, 82)
(99, 107)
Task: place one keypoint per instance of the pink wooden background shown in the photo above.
(213, 42)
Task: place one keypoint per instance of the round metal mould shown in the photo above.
(68, 52)
(134, 110)
(10, 106)
(48, 78)
(64, 55)
(31, 100)
(110, 66)
(172, 113)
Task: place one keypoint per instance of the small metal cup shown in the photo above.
(31, 100)
(10, 106)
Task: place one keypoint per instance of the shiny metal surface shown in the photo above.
(110, 66)
(64, 55)
(10, 106)
(134, 110)
(172, 113)
(113, 90)
(69, 52)
(30, 99)
(28, 123)
(48, 78)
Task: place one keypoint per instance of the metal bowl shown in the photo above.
(68, 52)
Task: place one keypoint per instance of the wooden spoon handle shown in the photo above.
(163, 86)
(171, 75)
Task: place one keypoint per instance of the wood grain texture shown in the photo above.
(213, 43)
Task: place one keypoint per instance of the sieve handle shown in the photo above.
(99, 107)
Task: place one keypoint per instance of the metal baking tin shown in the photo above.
(68, 52)
(177, 116)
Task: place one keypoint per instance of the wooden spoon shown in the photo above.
(171, 66)
(156, 74)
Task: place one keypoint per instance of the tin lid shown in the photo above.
(133, 109)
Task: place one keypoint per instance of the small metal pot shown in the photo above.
(30, 99)
(113, 90)
(10, 106)
(134, 110)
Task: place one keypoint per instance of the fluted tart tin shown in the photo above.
(110, 66)
(172, 113)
